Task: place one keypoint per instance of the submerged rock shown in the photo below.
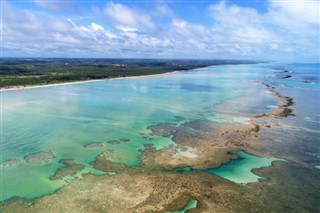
(94, 145)
(103, 163)
(192, 204)
(70, 169)
(124, 139)
(39, 157)
(187, 136)
(285, 112)
(113, 142)
(284, 76)
(10, 163)
(281, 70)
(288, 102)
(163, 129)
(282, 110)
(178, 117)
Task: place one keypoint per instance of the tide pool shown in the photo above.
(238, 170)
(192, 204)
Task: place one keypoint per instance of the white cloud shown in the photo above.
(304, 12)
(295, 17)
(274, 46)
(123, 16)
(31, 25)
(233, 15)
(67, 39)
(126, 29)
(96, 27)
(39, 34)
(239, 24)
(186, 29)
(285, 29)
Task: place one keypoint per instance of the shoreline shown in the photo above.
(103, 164)
(17, 88)
(151, 182)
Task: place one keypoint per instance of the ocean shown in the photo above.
(60, 121)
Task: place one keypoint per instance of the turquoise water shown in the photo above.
(192, 204)
(62, 119)
(239, 170)
(301, 137)
(305, 76)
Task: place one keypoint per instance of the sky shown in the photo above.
(273, 30)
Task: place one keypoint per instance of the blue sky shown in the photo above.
(278, 30)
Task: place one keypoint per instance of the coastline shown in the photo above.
(20, 87)
(151, 182)
(17, 88)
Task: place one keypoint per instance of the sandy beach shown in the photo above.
(17, 88)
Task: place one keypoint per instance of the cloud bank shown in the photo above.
(288, 30)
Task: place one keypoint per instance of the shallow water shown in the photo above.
(300, 137)
(239, 170)
(192, 204)
(62, 119)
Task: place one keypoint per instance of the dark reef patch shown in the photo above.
(283, 76)
(285, 112)
(180, 204)
(163, 129)
(281, 111)
(39, 157)
(291, 187)
(103, 163)
(280, 70)
(94, 145)
(70, 169)
(288, 102)
(11, 162)
(179, 117)
(113, 142)
(186, 136)
(124, 139)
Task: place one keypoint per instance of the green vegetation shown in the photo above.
(28, 72)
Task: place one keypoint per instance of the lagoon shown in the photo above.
(62, 119)
(238, 170)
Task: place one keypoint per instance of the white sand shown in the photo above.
(15, 88)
